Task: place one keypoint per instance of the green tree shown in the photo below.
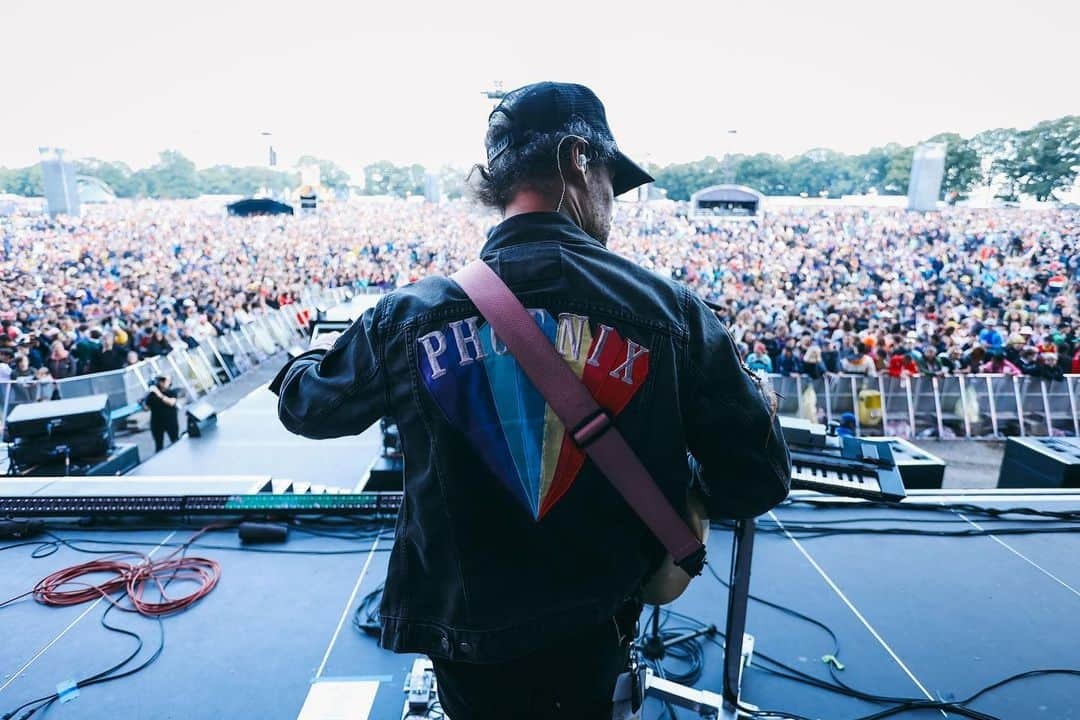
(768, 174)
(386, 178)
(872, 167)
(683, 180)
(452, 180)
(229, 180)
(998, 149)
(898, 171)
(173, 176)
(963, 164)
(24, 181)
(1046, 158)
(116, 175)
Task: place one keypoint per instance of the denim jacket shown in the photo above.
(508, 536)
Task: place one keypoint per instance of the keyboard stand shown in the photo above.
(738, 649)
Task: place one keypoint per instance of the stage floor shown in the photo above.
(249, 440)
(916, 615)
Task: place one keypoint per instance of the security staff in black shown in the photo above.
(516, 565)
(162, 402)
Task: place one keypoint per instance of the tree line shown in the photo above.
(1034, 162)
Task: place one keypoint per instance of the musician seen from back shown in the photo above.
(516, 565)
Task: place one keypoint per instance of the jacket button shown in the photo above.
(465, 647)
(444, 644)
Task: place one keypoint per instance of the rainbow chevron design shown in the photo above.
(482, 390)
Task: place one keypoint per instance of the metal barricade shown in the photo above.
(898, 413)
(787, 392)
(1060, 403)
(1032, 399)
(1070, 384)
(924, 405)
(196, 371)
(1006, 405)
(956, 407)
(262, 337)
(234, 356)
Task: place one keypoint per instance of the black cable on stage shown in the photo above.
(108, 675)
(366, 617)
(117, 672)
(810, 531)
(689, 654)
(970, 508)
(899, 704)
(73, 544)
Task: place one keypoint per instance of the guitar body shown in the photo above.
(670, 581)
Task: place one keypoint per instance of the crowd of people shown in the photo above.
(809, 290)
(882, 291)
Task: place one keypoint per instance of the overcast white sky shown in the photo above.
(362, 81)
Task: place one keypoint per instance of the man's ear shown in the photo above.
(576, 168)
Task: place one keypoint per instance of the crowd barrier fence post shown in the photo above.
(1070, 386)
(964, 404)
(215, 348)
(993, 405)
(937, 407)
(1019, 405)
(906, 383)
(7, 400)
(254, 351)
(180, 375)
(828, 400)
(1046, 407)
(855, 403)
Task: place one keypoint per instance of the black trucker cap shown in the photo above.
(547, 106)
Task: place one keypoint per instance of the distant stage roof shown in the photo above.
(94, 190)
(726, 201)
(259, 206)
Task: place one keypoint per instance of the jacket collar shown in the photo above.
(535, 227)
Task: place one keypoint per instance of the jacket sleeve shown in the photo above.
(326, 394)
(739, 459)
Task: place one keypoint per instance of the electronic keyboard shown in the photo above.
(841, 465)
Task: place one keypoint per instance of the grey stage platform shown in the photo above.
(917, 616)
(248, 440)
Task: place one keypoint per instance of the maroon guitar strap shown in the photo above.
(591, 427)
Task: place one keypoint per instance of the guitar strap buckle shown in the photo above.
(592, 428)
(694, 563)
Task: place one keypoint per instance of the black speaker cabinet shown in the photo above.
(1041, 462)
(201, 417)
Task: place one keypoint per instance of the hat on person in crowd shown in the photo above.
(1026, 330)
(550, 106)
(120, 336)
